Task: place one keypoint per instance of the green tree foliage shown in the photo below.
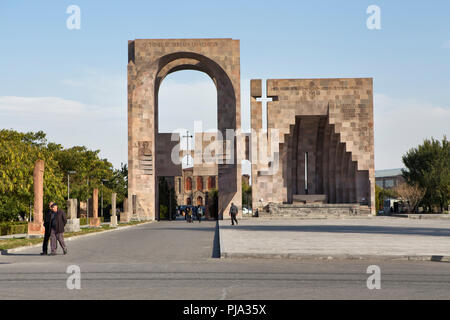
(382, 194)
(428, 166)
(167, 199)
(90, 172)
(18, 153)
(246, 194)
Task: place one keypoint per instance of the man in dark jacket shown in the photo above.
(58, 222)
(233, 213)
(47, 219)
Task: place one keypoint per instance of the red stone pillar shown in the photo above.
(36, 228)
(95, 220)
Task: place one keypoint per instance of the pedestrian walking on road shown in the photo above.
(188, 215)
(57, 223)
(199, 213)
(233, 214)
(47, 227)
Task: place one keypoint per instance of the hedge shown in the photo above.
(8, 228)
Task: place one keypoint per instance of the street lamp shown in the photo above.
(68, 183)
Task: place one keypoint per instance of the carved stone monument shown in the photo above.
(113, 222)
(316, 146)
(36, 227)
(125, 215)
(95, 220)
(73, 223)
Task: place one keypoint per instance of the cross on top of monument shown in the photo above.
(264, 99)
(187, 136)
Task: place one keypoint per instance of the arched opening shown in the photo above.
(222, 108)
(199, 201)
(186, 97)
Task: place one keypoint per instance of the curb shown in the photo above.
(299, 256)
(18, 249)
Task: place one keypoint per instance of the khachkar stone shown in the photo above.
(36, 228)
(95, 220)
(125, 215)
(113, 222)
(73, 223)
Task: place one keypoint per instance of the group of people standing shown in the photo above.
(54, 222)
(197, 212)
(189, 214)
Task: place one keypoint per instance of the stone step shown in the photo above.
(314, 210)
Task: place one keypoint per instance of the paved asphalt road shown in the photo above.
(175, 260)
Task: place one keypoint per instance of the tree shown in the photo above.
(410, 195)
(91, 172)
(246, 194)
(167, 198)
(18, 153)
(428, 166)
(382, 194)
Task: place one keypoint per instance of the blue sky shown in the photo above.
(77, 78)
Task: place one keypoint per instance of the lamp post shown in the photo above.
(68, 183)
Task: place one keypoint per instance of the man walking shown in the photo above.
(58, 221)
(233, 213)
(188, 215)
(47, 227)
(199, 213)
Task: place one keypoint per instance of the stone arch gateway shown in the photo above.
(149, 152)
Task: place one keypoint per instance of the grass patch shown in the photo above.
(22, 242)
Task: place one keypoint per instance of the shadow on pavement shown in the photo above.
(5, 253)
(216, 243)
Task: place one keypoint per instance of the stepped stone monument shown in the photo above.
(325, 150)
